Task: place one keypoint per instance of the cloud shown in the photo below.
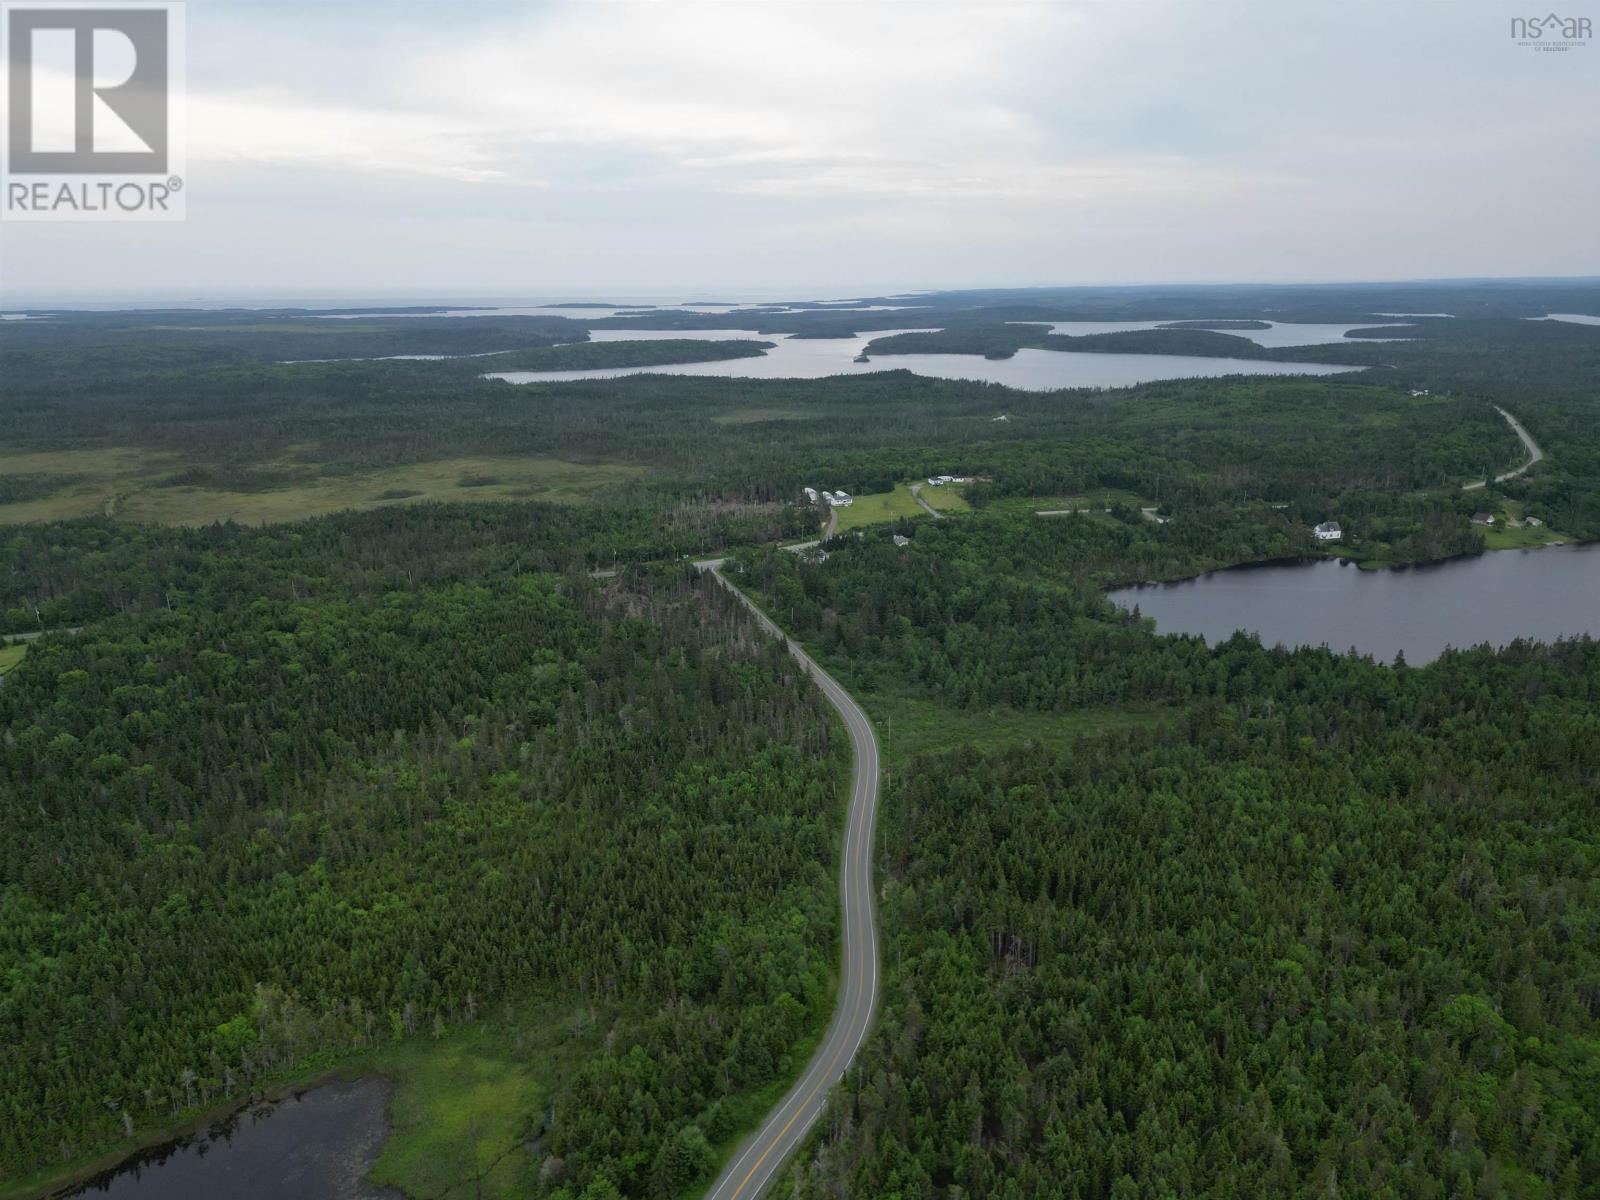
(742, 98)
(970, 142)
(262, 128)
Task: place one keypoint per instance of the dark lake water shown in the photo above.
(1539, 594)
(318, 1145)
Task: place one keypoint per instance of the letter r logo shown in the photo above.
(88, 89)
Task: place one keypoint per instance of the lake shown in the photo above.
(318, 1145)
(1540, 594)
(1028, 370)
(1277, 333)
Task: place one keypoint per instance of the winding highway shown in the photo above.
(761, 1156)
(759, 1159)
(1532, 447)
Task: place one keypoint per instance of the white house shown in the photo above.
(901, 540)
(842, 500)
(811, 495)
(1328, 531)
(830, 498)
(935, 481)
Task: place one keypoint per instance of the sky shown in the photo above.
(847, 147)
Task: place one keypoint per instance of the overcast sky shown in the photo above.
(794, 147)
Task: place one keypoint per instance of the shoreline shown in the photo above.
(58, 1184)
(1362, 564)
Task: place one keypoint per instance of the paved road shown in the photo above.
(761, 1156)
(1532, 447)
(598, 572)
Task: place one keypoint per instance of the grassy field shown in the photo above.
(946, 499)
(457, 479)
(99, 476)
(879, 507)
(1501, 536)
(10, 656)
(126, 483)
(466, 1104)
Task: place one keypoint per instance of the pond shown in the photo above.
(316, 1145)
(1028, 370)
(1539, 594)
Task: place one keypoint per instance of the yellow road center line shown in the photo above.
(856, 723)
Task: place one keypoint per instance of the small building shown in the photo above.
(829, 498)
(1534, 521)
(811, 495)
(900, 539)
(1001, 417)
(947, 479)
(1328, 531)
(841, 499)
(1419, 391)
(935, 481)
(1482, 518)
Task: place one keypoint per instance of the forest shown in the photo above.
(286, 795)
(1319, 926)
(309, 804)
(99, 427)
(1323, 934)
(582, 356)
